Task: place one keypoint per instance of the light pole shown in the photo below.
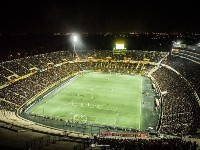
(75, 38)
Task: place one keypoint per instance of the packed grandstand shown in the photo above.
(176, 80)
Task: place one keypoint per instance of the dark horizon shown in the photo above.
(28, 44)
(45, 17)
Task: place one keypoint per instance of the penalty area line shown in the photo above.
(69, 115)
(55, 110)
(115, 121)
(96, 119)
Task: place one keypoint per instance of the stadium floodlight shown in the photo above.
(75, 38)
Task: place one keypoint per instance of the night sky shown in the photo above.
(99, 16)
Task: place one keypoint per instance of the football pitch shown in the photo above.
(96, 98)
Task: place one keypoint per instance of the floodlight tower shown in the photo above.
(75, 38)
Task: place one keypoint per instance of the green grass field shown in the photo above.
(97, 98)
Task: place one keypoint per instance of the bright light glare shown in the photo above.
(119, 46)
(75, 38)
(177, 44)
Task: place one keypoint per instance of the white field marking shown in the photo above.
(93, 117)
(141, 85)
(56, 110)
(69, 114)
(53, 100)
(96, 119)
(90, 122)
(58, 117)
(94, 106)
(115, 120)
(38, 108)
(116, 115)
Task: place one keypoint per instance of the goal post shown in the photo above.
(80, 118)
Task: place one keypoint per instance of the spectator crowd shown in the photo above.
(32, 75)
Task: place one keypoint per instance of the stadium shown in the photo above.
(102, 99)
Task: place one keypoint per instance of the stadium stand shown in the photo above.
(180, 108)
(22, 80)
(189, 69)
